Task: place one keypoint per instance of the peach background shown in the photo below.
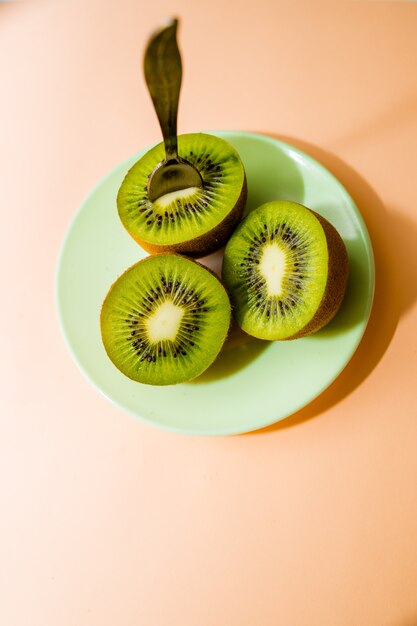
(107, 521)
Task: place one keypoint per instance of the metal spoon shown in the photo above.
(163, 73)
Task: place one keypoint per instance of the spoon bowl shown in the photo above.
(169, 176)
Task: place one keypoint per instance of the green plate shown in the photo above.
(252, 383)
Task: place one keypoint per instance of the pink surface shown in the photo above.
(107, 521)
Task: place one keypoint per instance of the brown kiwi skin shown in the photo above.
(208, 242)
(337, 279)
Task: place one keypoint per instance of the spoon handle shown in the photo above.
(163, 72)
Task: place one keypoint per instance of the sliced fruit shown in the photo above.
(194, 221)
(285, 268)
(165, 320)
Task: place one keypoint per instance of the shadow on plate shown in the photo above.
(393, 237)
(238, 351)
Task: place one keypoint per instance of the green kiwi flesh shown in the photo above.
(193, 221)
(165, 320)
(286, 269)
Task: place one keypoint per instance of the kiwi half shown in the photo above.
(193, 221)
(165, 320)
(286, 269)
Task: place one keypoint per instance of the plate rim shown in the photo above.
(269, 421)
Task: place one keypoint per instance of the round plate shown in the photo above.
(253, 383)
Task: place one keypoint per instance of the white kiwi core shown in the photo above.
(272, 267)
(173, 196)
(165, 322)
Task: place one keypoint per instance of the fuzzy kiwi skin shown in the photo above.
(207, 243)
(337, 278)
